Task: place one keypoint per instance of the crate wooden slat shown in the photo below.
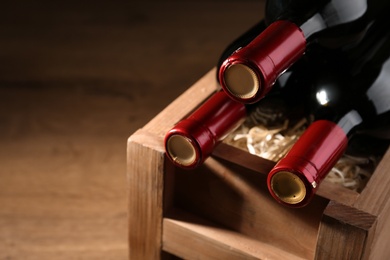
(145, 195)
(346, 231)
(205, 240)
(223, 209)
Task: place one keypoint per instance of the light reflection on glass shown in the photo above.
(322, 97)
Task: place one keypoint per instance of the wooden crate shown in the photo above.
(223, 210)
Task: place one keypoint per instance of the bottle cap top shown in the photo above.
(181, 149)
(288, 187)
(241, 81)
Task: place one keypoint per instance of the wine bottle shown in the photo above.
(292, 25)
(346, 97)
(193, 139)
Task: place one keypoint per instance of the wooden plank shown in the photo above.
(145, 194)
(336, 192)
(191, 237)
(380, 242)
(374, 199)
(344, 233)
(375, 196)
(243, 158)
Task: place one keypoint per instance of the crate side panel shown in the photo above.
(345, 232)
(145, 164)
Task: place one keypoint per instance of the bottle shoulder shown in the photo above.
(330, 23)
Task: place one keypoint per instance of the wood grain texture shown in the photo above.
(375, 200)
(62, 172)
(145, 188)
(77, 78)
(206, 240)
(345, 233)
(380, 245)
(362, 230)
(375, 196)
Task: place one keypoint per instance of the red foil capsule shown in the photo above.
(295, 178)
(249, 73)
(193, 139)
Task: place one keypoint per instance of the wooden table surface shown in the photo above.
(77, 78)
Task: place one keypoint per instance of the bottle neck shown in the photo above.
(315, 16)
(349, 121)
(335, 12)
(379, 92)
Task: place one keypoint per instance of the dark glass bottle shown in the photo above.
(249, 73)
(349, 93)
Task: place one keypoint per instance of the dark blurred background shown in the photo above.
(77, 78)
